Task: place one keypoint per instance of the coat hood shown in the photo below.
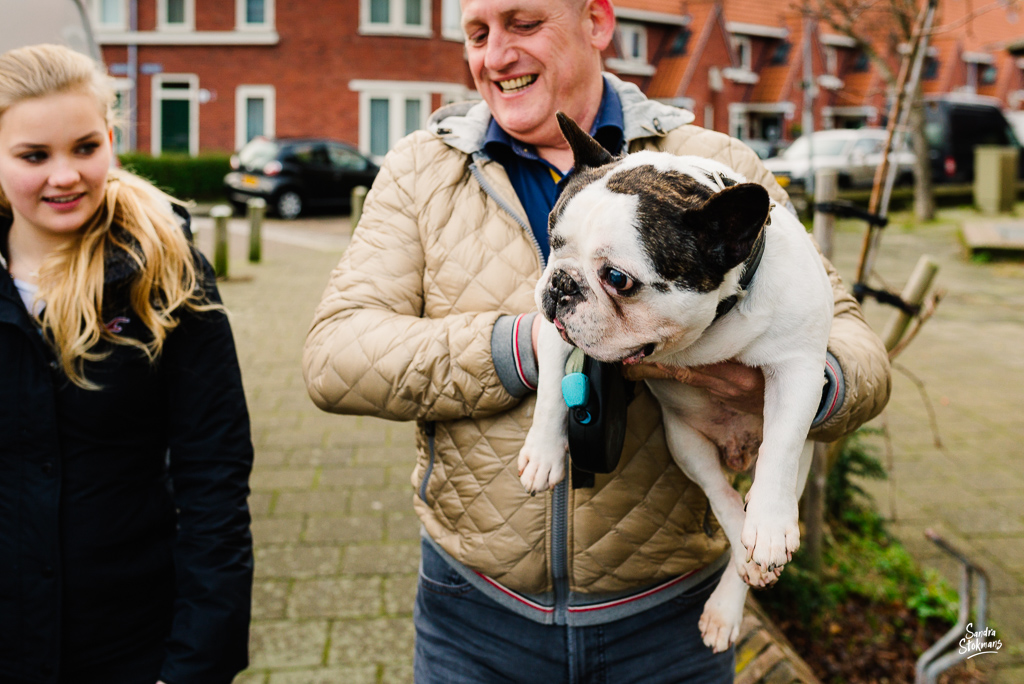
(463, 125)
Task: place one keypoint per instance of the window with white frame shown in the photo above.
(633, 41)
(395, 17)
(739, 122)
(451, 20)
(831, 60)
(386, 116)
(743, 49)
(176, 15)
(110, 15)
(254, 14)
(175, 114)
(709, 117)
(255, 113)
(989, 74)
(972, 77)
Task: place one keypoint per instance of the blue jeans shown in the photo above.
(463, 637)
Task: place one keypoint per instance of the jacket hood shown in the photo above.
(463, 125)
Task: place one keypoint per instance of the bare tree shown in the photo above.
(882, 30)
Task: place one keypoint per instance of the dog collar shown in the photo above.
(750, 267)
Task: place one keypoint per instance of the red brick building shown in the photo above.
(210, 74)
(739, 65)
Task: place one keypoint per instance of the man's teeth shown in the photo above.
(514, 84)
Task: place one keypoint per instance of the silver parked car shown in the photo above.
(854, 153)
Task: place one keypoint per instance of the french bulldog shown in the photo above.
(678, 260)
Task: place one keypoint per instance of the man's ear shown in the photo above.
(585, 150)
(602, 17)
(736, 216)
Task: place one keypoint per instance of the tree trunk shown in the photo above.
(924, 195)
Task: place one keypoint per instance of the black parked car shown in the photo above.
(955, 125)
(295, 174)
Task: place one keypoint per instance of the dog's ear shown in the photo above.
(585, 150)
(736, 215)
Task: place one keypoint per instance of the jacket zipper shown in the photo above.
(493, 194)
(559, 549)
(560, 496)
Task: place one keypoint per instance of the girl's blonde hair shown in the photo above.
(135, 222)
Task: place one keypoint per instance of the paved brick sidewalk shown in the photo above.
(337, 540)
(970, 360)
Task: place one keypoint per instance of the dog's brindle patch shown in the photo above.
(677, 239)
(691, 242)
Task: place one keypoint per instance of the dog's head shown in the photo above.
(644, 247)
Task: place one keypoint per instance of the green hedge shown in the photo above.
(187, 178)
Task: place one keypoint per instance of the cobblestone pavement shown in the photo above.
(336, 538)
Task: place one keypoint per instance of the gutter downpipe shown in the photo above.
(133, 76)
(810, 91)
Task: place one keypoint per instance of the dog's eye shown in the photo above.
(618, 280)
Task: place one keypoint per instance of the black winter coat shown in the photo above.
(125, 549)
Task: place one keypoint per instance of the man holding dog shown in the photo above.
(428, 317)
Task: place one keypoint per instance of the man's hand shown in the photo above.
(735, 385)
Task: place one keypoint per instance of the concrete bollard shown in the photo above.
(220, 215)
(826, 183)
(358, 197)
(257, 209)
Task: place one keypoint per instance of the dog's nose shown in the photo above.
(562, 285)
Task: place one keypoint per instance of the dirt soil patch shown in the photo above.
(866, 642)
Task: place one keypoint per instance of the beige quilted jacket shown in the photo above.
(404, 332)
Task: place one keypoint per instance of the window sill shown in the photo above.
(255, 28)
(630, 68)
(744, 76)
(395, 30)
(248, 37)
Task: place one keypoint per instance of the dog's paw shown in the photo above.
(720, 622)
(541, 468)
(753, 574)
(771, 530)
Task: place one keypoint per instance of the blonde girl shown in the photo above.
(119, 212)
(124, 434)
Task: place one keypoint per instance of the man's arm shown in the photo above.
(863, 367)
(370, 350)
(858, 374)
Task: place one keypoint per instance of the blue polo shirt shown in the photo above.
(536, 181)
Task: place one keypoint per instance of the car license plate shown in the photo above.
(250, 181)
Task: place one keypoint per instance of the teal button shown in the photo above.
(575, 389)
